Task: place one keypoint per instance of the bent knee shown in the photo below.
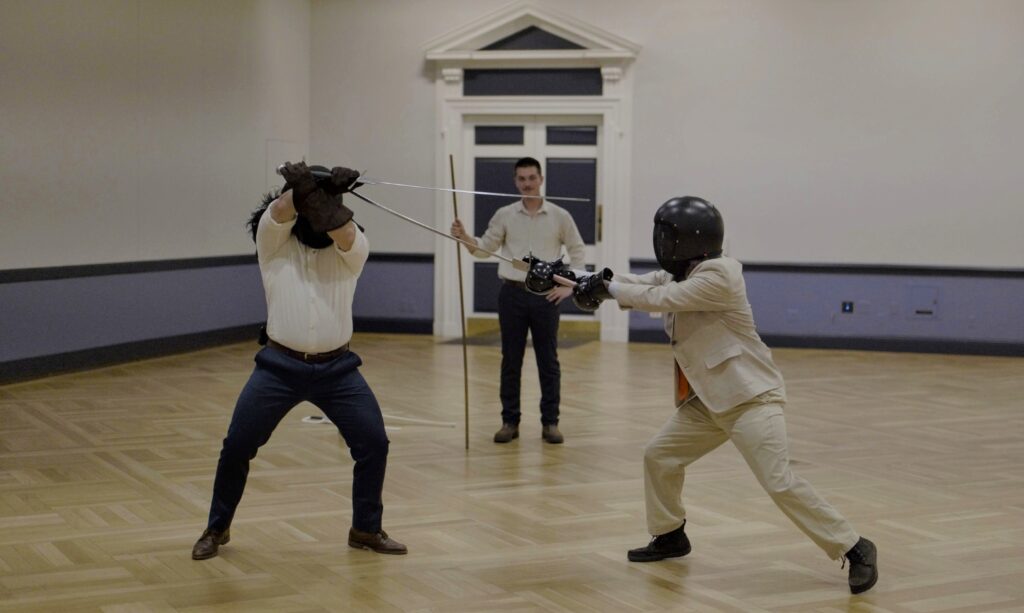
(372, 447)
(238, 451)
(654, 452)
(779, 485)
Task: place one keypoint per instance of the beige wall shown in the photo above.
(876, 131)
(139, 130)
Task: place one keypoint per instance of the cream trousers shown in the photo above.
(758, 430)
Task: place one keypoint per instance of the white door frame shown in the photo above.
(614, 181)
(466, 47)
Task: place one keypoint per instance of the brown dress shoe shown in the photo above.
(375, 541)
(209, 542)
(507, 433)
(552, 435)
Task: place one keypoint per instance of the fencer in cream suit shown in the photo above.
(735, 391)
(737, 394)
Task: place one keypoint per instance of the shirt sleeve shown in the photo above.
(355, 258)
(573, 242)
(707, 290)
(271, 236)
(494, 236)
(657, 277)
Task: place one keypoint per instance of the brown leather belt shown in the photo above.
(520, 284)
(311, 358)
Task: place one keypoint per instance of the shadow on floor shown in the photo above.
(566, 340)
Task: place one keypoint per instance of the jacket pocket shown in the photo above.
(719, 356)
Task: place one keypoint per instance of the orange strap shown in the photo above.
(682, 385)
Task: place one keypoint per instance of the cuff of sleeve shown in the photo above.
(360, 247)
(284, 224)
(613, 289)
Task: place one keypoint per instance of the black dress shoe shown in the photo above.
(669, 545)
(375, 541)
(863, 558)
(209, 542)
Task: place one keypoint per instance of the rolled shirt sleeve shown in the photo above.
(355, 258)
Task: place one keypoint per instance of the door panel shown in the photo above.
(575, 178)
(492, 175)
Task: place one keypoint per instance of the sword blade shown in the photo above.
(517, 264)
(319, 174)
(369, 181)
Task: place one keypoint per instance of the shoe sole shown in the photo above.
(870, 584)
(508, 441)
(355, 545)
(657, 558)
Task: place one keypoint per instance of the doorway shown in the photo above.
(568, 148)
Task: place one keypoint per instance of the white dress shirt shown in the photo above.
(309, 291)
(518, 234)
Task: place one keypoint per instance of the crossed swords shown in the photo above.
(517, 264)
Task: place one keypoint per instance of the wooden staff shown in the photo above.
(462, 305)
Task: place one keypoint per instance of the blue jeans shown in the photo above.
(277, 384)
(519, 311)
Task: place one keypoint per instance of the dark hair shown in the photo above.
(254, 218)
(528, 162)
(301, 230)
(268, 199)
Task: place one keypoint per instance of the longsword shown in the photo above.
(369, 181)
(321, 174)
(517, 264)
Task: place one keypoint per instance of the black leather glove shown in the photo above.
(323, 211)
(541, 278)
(342, 180)
(591, 290)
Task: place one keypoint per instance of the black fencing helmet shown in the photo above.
(687, 228)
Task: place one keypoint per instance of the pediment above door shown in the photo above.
(523, 35)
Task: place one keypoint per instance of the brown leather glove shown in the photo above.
(324, 211)
(342, 180)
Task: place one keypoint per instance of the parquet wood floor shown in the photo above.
(105, 481)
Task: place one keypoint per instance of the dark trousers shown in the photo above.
(519, 311)
(277, 384)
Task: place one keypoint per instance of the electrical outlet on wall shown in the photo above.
(922, 301)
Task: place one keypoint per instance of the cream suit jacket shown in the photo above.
(711, 325)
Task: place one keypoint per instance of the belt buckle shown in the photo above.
(305, 356)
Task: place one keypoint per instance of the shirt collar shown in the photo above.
(521, 207)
